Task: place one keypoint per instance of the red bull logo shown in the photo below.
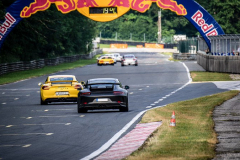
(66, 6)
(5, 26)
(200, 21)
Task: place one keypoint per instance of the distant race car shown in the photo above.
(59, 88)
(129, 59)
(103, 93)
(113, 57)
(105, 60)
(118, 57)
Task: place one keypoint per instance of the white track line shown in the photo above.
(128, 125)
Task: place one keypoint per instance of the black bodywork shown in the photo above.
(103, 93)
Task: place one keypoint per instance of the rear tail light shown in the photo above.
(45, 87)
(119, 101)
(85, 93)
(85, 103)
(77, 86)
(118, 93)
(134, 59)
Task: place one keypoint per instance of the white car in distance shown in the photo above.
(118, 57)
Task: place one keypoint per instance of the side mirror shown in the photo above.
(82, 83)
(126, 87)
(40, 84)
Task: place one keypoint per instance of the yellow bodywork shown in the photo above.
(105, 60)
(60, 86)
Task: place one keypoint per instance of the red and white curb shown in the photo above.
(130, 142)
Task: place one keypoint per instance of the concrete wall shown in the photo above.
(224, 64)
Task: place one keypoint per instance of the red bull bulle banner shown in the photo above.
(109, 10)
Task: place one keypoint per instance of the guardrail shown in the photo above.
(35, 64)
(223, 64)
(184, 56)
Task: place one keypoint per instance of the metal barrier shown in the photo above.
(188, 46)
(21, 66)
(222, 45)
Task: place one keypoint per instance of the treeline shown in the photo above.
(50, 33)
(134, 25)
(47, 34)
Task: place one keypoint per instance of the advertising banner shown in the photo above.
(108, 10)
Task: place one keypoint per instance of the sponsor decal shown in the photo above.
(207, 29)
(9, 21)
(107, 10)
(198, 18)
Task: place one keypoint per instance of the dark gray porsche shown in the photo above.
(103, 93)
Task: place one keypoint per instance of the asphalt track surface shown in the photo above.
(30, 131)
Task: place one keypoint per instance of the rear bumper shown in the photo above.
(61, 99)
(102, 106)
(129, 63)
(114, 102)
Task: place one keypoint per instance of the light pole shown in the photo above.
(159, 26)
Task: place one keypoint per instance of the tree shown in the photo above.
(48, 34)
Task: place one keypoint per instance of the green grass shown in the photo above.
(193, 138)
(16, 76)
(210, 76)
(104, 45)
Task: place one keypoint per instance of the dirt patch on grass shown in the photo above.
(193, 75)
(235, 76)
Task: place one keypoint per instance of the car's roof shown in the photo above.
(103, 80)
(128, 55)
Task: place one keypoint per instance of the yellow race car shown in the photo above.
(60, 88)
(105, 60)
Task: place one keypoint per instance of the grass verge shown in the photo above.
(104, 45)
(17, 76)
(210, 76)
(192, 138)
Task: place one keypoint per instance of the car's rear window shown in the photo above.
(57, 83)
(61, 79)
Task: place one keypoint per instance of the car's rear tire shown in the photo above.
(122, 65)
(43, 102)
(124, 109)
(82, 110)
